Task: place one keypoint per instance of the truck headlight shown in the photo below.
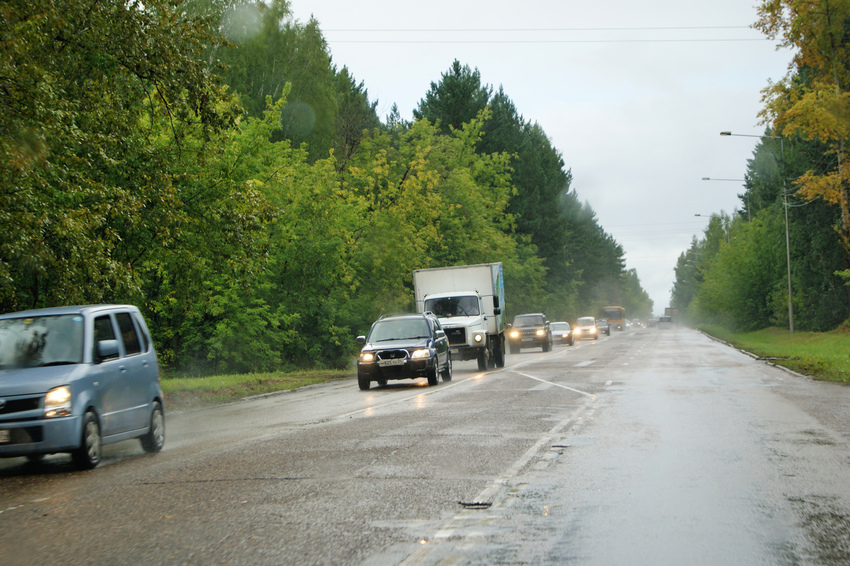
(419, 354)
(479, 338)
(57, 402)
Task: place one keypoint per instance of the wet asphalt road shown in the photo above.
(646, 447)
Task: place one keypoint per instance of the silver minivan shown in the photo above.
(75, 378)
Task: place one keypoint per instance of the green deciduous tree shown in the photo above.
(96, 98)
(813, 101)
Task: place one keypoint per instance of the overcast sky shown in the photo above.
(633, 95)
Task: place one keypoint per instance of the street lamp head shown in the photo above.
(725, 133)
(706, 178)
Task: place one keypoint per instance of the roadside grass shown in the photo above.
(820, 355)
(188, 393)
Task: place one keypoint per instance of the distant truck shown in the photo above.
(469, 300)
(673, 313)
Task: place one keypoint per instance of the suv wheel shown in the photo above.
(363, 382)
(432, 376)
(447, 372)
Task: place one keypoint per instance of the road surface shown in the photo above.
(651, 446)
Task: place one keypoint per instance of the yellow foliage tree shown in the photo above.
(812, 101)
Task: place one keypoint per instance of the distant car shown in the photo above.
(603, 327)
(665, 321)
(529, 331)
(75, 378)
(562, 333)
(652, 323)
(585, 328)
(404, 347)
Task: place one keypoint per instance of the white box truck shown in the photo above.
(469, 300)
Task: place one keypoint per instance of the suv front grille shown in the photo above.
(391, 354)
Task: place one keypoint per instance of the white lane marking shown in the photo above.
(585, 364)
(586, 394)
(462, 518)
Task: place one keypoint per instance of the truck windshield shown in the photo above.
(41, 341)
(453, 306)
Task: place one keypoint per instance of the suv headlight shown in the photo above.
(540, 331)
(419, 354)
(367, 357)
(514, 334)
(57, 402)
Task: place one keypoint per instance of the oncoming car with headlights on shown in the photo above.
(529, 331)
(404, 347)
(562, 333)
(585, 328)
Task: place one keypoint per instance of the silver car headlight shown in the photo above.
(57, 402)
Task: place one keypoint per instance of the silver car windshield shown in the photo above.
(41, 341)
(585, 321)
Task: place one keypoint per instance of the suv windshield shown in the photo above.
(585, 321)
(41, 341)
(399, 329)
(528, 321)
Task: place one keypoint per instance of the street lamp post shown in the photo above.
(787, 236)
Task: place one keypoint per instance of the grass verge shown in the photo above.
(821, 355)
(187, 393)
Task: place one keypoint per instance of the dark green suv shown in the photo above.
(529, 331)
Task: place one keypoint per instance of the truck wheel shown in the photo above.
(499, 353)
(363, 382)
(482, 360)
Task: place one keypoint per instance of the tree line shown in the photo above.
(208, 162)
(737, 273)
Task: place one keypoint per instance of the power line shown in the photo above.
(529, 41)
(501, 30)
(537, 30)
